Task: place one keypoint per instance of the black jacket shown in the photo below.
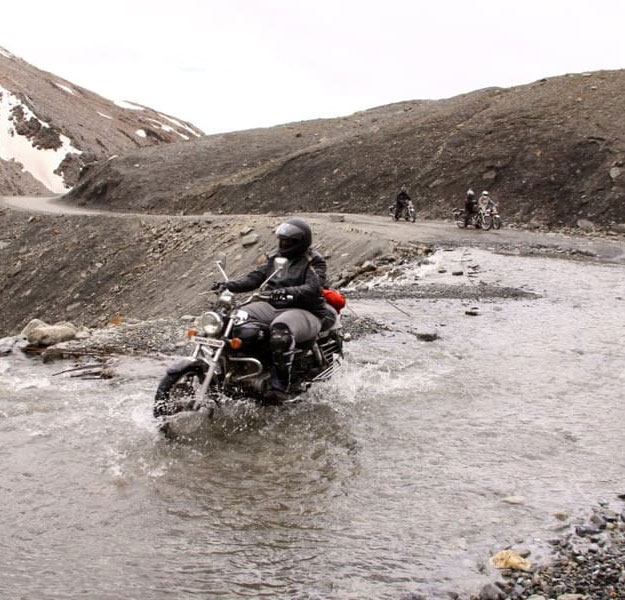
(304, 278)
(402, 198)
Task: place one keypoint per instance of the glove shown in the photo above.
(219, 286)
(279, 298)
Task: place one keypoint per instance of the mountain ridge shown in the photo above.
(51, 128)
(552, 152)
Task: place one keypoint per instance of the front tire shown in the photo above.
(496, 222)
(176, 392)
(486, 222)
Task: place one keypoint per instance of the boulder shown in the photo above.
(48, 335)
(586, 225)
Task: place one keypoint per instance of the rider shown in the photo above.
(296, 308)
(401, 201)
(485, 200)
(469, 206)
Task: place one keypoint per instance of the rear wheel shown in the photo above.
(176, 392)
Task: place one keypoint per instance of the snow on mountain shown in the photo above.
(50, 128)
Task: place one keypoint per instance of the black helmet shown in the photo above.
(294, 237)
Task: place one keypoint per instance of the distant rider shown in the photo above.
(296, 307)
(401, 201)
(485, 201)
(469, 206)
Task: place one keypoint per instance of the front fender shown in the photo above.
(187, 364)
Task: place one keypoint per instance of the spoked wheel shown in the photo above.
(176, 392)
(496, 222)
(486, 222)
(411, 215)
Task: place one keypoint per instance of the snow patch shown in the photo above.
(5, 52)
(169, 129)
(40, 163)
(141, 133)
(181, 125)
(65, 88)
(103, 115)
(128, 105)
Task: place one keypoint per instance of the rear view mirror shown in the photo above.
(280, 263)
(220, 259)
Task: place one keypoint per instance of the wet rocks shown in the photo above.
(588, 564)
(39, 333)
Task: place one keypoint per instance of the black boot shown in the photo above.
(282, 350)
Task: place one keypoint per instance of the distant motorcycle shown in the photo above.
(408, 212)
(232, 358)
(492, 215)
(479, 219)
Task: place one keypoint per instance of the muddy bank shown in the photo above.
(91, 268)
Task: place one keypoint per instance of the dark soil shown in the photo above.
(551, 152)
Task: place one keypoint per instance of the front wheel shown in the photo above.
(486, 222)
(411, 215)
(176, 392)
(496, 222)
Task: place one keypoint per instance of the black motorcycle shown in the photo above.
(407, 212)
(231, 358)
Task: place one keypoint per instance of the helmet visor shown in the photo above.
(289, 231)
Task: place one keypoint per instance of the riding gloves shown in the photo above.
(280, 299)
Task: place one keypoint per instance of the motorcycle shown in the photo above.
(231, 358)
(408, 212)
(479, 219)
(493, 217)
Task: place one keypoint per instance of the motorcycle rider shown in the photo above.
(401, 201)
(469, 206)
(296, 308)
(485, 200)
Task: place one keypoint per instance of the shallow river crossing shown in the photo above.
(405, 474)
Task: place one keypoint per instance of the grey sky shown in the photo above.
(236, 64)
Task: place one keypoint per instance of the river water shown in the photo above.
(405, 474)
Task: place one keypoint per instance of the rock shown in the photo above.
(514, 500)
(427, 337)
(246, 231)
(586, 225)
(32, 324)
(48, 335)
(615, 173)
(618, 227)
(249, 240)
(457, 273)
(572, 597)
(491, 592)
(472, 312)
(336, 218)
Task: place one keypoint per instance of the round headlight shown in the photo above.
(211, 323)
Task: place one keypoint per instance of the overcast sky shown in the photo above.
(236, 64)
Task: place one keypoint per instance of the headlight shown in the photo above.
(211, 323)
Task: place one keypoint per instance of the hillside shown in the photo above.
(50, 128)
(551, 152)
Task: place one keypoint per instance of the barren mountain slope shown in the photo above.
(552, 151)
(52, 128)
